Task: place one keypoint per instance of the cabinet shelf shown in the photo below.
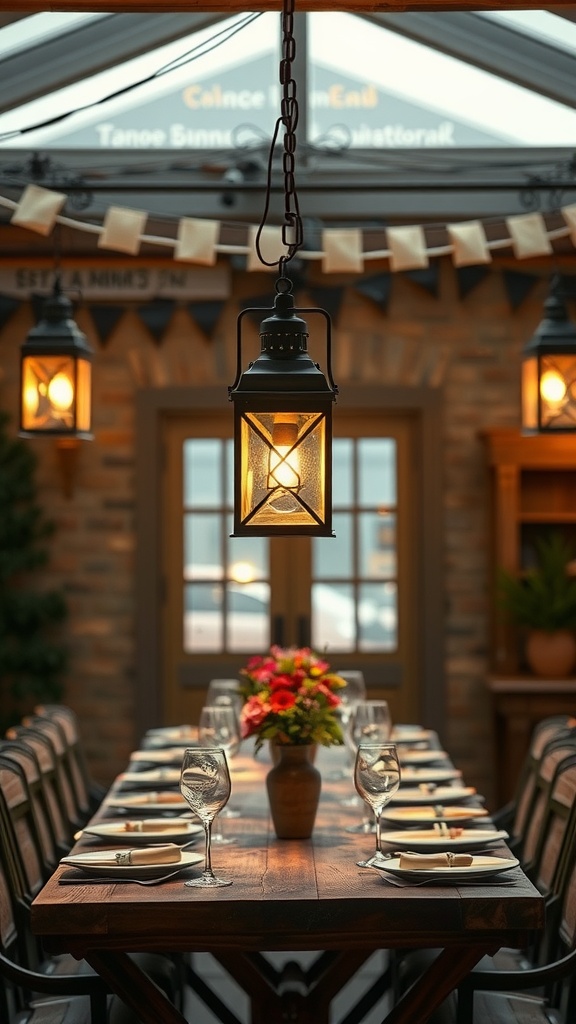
(549, 518)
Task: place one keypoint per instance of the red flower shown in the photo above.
(282, 700)
(282, 682)
(331, 699)
(254, 713)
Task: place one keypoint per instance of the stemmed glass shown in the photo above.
(370, 722)
(350, 695)
(205, 785)
(218, 727)
(377, 778)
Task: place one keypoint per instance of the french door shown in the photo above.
(353, 596)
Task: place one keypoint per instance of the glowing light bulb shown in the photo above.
(60, 392)
(242, 572)
(284, 467)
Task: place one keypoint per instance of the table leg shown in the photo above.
(134, 987)
(437, 982)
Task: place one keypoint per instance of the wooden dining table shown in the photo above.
(287, 895)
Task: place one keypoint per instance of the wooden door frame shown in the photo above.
(154, 404)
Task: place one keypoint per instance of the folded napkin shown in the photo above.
(169, 854)
(417, 861)
(153, 825)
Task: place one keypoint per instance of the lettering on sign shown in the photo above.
(121, 283)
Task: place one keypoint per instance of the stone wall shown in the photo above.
(468, 347)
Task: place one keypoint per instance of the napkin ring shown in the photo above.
(450, 859)
(124, 857)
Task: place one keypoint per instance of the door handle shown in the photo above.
(303, 631)
(278, 630)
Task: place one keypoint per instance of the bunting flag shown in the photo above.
(342, 248)
(156, 316)
(407, 248)
(518, 285)
(469, 243)
(105, 319)
(377, 288)
(271, 247)
(38, 209)
(8, 306)
(329, 299)
(467, 278)
(206, 315)
(122, 230)
(428, 278)
(529, 235)
(197, 241)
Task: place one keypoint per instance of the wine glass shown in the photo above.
(377, 778)
(218, 727)
(350, 694)
(225, 691)
(205, 785)
(370, 722)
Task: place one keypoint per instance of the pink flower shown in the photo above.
(254, 713)
(331, 699)
(282, 682)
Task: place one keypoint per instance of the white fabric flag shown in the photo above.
(569, 214)
(122, 229)
(342, 249)
(407, 248)
(197, 241)
(529, 235)
(469, 243)
(271, 246)
(38, 208)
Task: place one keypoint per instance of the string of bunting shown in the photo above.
(197, 242)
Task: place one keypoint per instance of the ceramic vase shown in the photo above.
(293, 787)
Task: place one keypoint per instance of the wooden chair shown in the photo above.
(90, 793)
(25, 872)
(491, 997)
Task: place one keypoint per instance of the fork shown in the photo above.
(122, 880)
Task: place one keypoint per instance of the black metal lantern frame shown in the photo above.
(283, 428)
(56, 375)
(282, 401)
(549, 371)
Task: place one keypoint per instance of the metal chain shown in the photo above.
(292, 231)
(292, 227)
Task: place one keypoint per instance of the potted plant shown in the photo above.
(543, 602)
(290, 699)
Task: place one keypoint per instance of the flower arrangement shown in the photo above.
(290, 698)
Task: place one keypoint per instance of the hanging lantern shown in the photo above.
(56, 375)
(549, 371)
(283, 430)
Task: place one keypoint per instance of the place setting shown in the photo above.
(429, 774)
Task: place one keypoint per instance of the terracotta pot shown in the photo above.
(293, 787)
(551, 655)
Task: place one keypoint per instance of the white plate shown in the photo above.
(422, 756)
(154, 776)
(95, 863)
(427, 816)
(174, 755)
(427, 840)
(480, 868)
(180, 831)
(411, 734)
(147, 802)
(439, 795)
(429, 774)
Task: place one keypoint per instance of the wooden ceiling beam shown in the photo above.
(239, 6)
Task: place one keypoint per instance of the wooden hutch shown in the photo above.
(532, 492)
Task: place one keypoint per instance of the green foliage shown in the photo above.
(544, 597)
(31, 660)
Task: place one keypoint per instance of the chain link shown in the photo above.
(292, 231)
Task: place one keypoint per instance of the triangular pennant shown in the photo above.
(263, 303)
(518, 286)
(468, 278)
(377, 287)
(329, 299)
(156, 317)
(105, 319)
(206, 314)
(7, 307)
(427, 277)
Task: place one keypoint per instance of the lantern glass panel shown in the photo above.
(48, 393)
(283, 463)
(83, 395)
(530, 394)
(558, 392)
